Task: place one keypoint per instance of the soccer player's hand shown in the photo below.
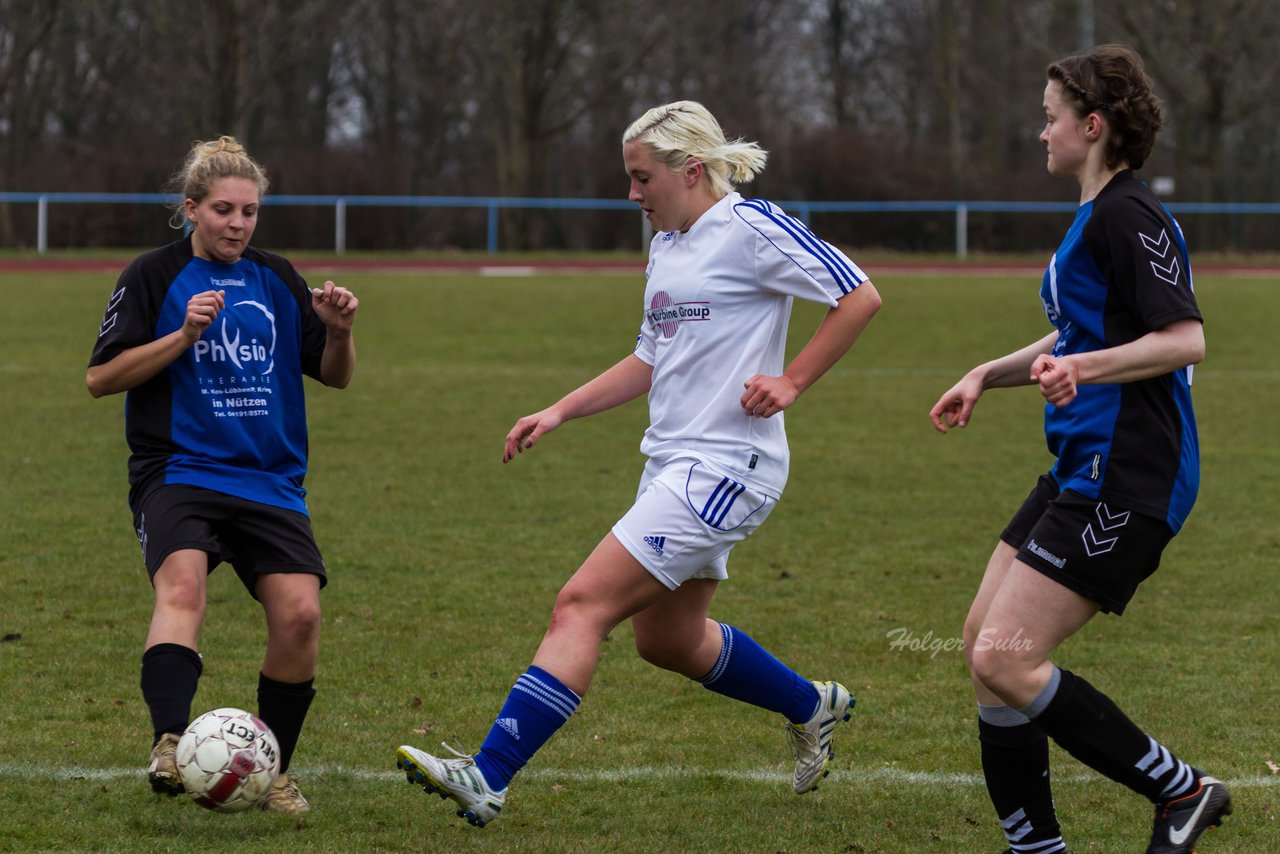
(202, 310)
(766, 395)
(1058, 378)
(336, 306)
(528, 431)
(955, 407)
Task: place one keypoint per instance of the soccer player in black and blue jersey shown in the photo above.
(211, 338)
(1116, 375)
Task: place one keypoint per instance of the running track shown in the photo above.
(579, 266)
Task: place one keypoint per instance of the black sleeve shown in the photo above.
(134, 306)
(1149, 268)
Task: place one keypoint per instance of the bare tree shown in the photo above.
(1216, 67)
(545, 65)
(854, 98)
(23, 65)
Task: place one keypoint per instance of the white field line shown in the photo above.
(876, 776)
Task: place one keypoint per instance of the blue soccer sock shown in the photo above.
(537, 706)
(746, 671)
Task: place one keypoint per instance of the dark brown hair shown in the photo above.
(1109, 79)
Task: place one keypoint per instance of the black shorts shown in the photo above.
(256, 539)
(1096, 548)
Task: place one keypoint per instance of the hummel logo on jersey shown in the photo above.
(1037, 549)
(511, 725)
(1095, 545)
(109, 319)
(1110, 520)
(656, 543)
(1160, 248)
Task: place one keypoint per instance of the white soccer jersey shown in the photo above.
(716, 309)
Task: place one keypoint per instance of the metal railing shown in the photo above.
(493, 204)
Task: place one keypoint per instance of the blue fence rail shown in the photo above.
(960, 210)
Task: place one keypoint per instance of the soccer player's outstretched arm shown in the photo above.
(625, 381)
(955, 406)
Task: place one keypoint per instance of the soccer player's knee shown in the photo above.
(970, 634)
(572, 606)
(307, 618)
(300, 622)
(565, 617)
(1006, 667)
(992, 667)
(182, 595)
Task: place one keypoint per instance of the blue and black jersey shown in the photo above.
(1122, 271)
(229, 414)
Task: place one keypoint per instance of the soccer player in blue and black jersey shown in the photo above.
(1116, 375)
(211, 338)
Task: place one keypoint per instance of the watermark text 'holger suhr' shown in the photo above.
(904, 639)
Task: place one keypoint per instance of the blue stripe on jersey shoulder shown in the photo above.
(805, 240)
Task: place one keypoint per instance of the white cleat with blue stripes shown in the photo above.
(811, 741)
(458, 779)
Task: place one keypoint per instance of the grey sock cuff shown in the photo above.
(1037, 706)
(1001, 716)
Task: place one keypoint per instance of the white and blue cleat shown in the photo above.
(811, 741)
(457, 779)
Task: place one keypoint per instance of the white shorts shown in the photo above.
(687, 518)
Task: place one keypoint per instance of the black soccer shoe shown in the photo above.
(1179, 823)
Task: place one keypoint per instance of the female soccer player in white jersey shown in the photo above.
(1115, 374)
(722, 273)
(211, 338)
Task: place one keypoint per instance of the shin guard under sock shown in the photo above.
(283, 706)
(170, 675)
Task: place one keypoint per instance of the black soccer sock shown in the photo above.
(1089, 726)
(170, 675)
(1015, 762)
(283, 707)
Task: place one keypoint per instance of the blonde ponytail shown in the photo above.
(682, 130)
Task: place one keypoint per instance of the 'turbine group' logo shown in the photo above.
(247, 340)
(666, 315)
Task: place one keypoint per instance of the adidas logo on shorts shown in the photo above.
(656, 543)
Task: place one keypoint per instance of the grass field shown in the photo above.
(444, 565)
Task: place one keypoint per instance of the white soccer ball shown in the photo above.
(228, 759)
